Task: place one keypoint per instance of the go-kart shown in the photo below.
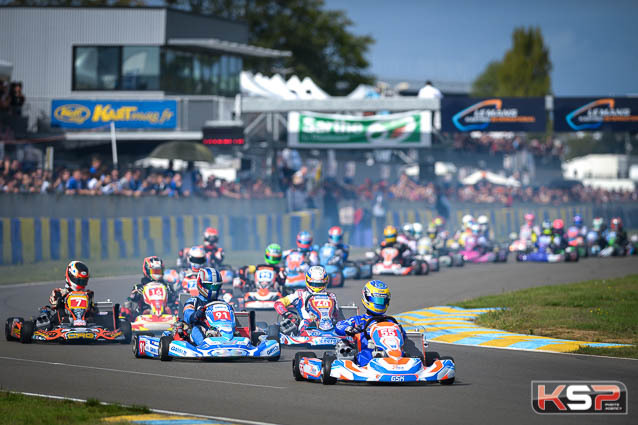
(295, 266)
(318, 333)
(75, 324)
(231, 335)
(425, 252)
(333, 264)
(262, 292)
(394, 359)
(449, 255)
(157, 316)
(613, 248)
(391, 264)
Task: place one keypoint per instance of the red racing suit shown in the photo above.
(298, 300)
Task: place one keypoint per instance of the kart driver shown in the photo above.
(76, 279)
(335, 238)
(304, 246)
(209, 283)
(272, 258)
(375, 297)
(152, 271)
(214, 253)
(390, 240)
(316, 283)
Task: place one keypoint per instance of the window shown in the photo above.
(140, 68)
(96, 68)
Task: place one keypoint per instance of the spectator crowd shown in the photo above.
(487, 143)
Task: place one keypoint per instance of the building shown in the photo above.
(158, 73)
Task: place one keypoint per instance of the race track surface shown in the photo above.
(493, 386)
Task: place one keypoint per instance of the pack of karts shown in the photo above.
(74, 322)
(230, 335)
(394, 359)
(317, 333)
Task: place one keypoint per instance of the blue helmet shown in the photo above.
(578, 221)
(304, 240)
(375, 297)
(209, 283)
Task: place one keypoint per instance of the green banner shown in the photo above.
(313, 130)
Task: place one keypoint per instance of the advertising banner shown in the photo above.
(465, 114)
(595, 114)
(404, 130)
(223, 135)
(153, 114)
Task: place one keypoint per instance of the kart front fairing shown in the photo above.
(211, 348)
(312, 338)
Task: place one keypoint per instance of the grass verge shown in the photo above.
(19, 409)
(595, 311)
(54, 270)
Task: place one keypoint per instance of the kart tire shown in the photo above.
(430, 357)
(449, 381)
(26, 333)
(164, 345)
(326, 366)
(7, 328)
(424, 268)
(125, 327)
(136, 347)
(274, 332)
(296, 373)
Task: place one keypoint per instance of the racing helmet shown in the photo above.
(418, 230)
(196, 258)
(335, 234)
(390, 234)
(209, 282)
(597, 224)
(304, 240)
(558, 226)
(171, 276)
(316, 279)
(408, 229)
(475, 228)
(467, 221)
(578, 221)
(529, 218)
(77, 276)
(375, 297)
(484, 223)
(572, 232)
(153, 268)
(272, 255)
(439, 222)
(211, 236)
(432, 231)
(546, 227)
(616, 224)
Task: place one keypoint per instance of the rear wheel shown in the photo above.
(26, 333)
(164, 345)
(125, 327)
(295, 363)
(326, 367)
(448, 381)
(136, 347)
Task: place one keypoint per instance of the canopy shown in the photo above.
(187, 151)
(363, 91)
(490, 177)
(276, 87)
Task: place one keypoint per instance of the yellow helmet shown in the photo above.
(375, 297)
(390, 234)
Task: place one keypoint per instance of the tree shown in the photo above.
(524, 70)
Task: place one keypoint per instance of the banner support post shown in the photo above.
(113, 145)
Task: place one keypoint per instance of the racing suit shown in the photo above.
(364, 353)
(405, 253)
(298, 300)
(49, 316)
(246, 280)
(214, 254)
(408, 241)
(311, 257)
(134, 304)
(194, 317)
(341, 249)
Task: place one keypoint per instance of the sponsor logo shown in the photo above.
(584, 397)
(79, 335)
(178, 350)
(481, 114)
(72, 113)
(592, 115)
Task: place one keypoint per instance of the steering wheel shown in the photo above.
(377, 319)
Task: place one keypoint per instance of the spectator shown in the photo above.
(16, 99)
(429, 92)
(296, 195)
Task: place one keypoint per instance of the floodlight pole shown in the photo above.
(113, 145)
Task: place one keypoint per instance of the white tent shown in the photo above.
(294, 85)
(250, 88)
(279, 84)
(490, 177)
(363, 91)
(279, 91)
(309, 86)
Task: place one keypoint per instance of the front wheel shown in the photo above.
(164, 346)
(296, 373)
(26, 333)
(326, 367)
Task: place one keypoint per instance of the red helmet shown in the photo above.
(616, 224)
(558, 224)
(529, 218)
(210, 236)
(77, 275)
(335, 234)
(153, 268)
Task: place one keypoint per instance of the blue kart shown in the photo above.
(231, 335)
(339, 270)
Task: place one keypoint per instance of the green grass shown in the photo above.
(594, 311)
(18, 409)
(54, 270)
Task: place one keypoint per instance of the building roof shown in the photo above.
(230, 46)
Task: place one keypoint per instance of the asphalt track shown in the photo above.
(493, 386)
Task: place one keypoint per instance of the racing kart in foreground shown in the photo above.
(74, 324)
(231, 335)
(158, 317)
(394, 360)
(320, 333)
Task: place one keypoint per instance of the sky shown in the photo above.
(593, 45)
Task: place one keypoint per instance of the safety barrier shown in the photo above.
(29, 240)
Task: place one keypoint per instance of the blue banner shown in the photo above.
(464, 114)
(595, 114)
(124, 113)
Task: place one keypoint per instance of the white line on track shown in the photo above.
(134, 372)
(166, 412)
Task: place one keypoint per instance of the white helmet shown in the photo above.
(467, 220)
(482, 219)
(408, 229)
(417, 228)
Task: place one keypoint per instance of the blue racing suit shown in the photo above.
(341, 249)
(364, 354)
(198, 325)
